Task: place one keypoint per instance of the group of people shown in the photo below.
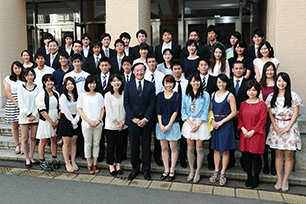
(84, 92)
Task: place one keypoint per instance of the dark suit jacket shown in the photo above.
(90, 53)
(90, 66)
(55, 64)
(211, 86)
(42, 50)
(124, 79)
(62, 48)
(99, 85)
(176, 49)
(135, 51)
(115, 66)
(139, 107)
(131, 53)
(111, 53)
(201, 52)
(251, 51)
(241, 96)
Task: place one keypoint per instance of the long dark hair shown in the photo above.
(245, 53)
(222, 59)
(263, 79)
(270, 48)
(74, 91)
(111, 88)
(13, 76)
(288, 97)
(189, 90)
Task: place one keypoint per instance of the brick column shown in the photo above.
(127, 16)
(13, 37)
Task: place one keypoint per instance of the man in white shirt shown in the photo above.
(44, 49)
(92, 62)
(68, 38)
(77, 74)
(126, 39)
(41, 69)
(86, 39)
(52, 58)
(127, 72)
(106, 51)
(257, 36)
(116, 61)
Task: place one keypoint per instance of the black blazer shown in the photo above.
(42, 50)
(55, 64)
(251, 51)
(62, 48)
(90, 66)
(135, 51)
(124, 79)
(111, 53)
(90, 53)
(115, 66)
(201, 52)
(176, 49)
(139, 107)
(131, 53)
(241, 96)
(99, 85)
(211, 86)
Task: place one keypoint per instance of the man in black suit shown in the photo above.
(92, 62)
(141, 36)
(139, 104)
(127, 74)
(209, 85)
(77, 49)
(86, 40)
(238, 83)
(103, 86)
(194, 35)
(44, 49)
(167, 43)
(105, 39)
(52, 58)
(68, 38)
(257, 36)
(212, 33)
(116, 61)
(126, 38)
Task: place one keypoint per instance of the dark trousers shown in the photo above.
(267, 147)
(102, 145)
(210, 157)
(183, 149)
(232, 159)
(250, 158)
(80, 141)
(115, 143)
(157, 147)
(141, 136)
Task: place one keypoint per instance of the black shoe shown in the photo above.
(273, 171)
(34, 163)
(27, 166)
(119, 172)
(211, 166)
(164, 176)
(55, 163)
(248, 182)
(132, 175)
(171, 176)
(184, 164)
(254, 183)
(100, 159)
(44, 165)
(266, 169)
(113, 173)
(146, 175)
(159, 162)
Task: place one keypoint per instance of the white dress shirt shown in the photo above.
(130, 75)
(141, 82)
(47, 50)
(184, 83)
(127, 51)
(102, 79)
(52, 58)
(68, 49)
(158, 77)
(166, 46)
(235, 81)
(86, 51)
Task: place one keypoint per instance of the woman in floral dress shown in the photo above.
(284, 134)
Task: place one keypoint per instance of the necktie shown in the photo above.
(179, 88)
(52, 59)
(106, 53)
(104, 82)
(97, 61)
(153, 79)
(127, 78)
(119, 64)
(139, 89)
(237, 86)
(204, 83)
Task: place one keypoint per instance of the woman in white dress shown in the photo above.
(47, 102)
(143, 51)
(28, 114)
(11, 84)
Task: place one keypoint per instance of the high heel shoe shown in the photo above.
(285, 189)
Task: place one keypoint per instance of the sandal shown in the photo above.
(18, 151)
(90, 170)
(75, 166)
(222, 181)
(196, 178)
(215, 177)
(190, 176)
(164, 176)
(69, 168)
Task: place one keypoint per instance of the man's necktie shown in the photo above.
(104, 82)
(237, 86)
(139, 89)
(127, 78)
(106, 53)
(179, 88)
(97, 61)
(119, 64)
(153, 79)
(204, 84)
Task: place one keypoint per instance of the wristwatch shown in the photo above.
(146, 120)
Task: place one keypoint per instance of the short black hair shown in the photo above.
(68, 34)
(138, 63)
(104, 59)
(78, 42)
(258, 32)
(202, 59)
(167, 31)
(168, 50)
(151, 55)
(51, 41)
(105, 35)
(63, 54)
(190, 42)
(225, 79)
(119, 41)
(127, 59)
(141, 31)
(111, 78)
(250, 84)
(25, 73)
(143, 46)
(96, 43)
(47, 36)
(212, 28)
(195, 30)
(46, 77)
(88, 80)
(76, 56)
(236, 34)
(239, 62)
(177, 62)
(125, 35)
(39, 54)
(85, 35)
(169, 78)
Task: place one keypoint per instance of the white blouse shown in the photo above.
(260, 64)
(92, 107)
(13, 84)
(69, 108)
(114, 111)
(217, 69)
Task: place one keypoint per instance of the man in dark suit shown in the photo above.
(86, 50)
(237, 85)
(194, 35)
(212, 33)
(209, 85)
(116, 61)
(141, 36)
(52, 58)
(127, 74)
(257, 36)
(126, 38)
(77, 49)
(167, 43)
(105, 39)
(92, 62)
(44, 49)
(139, 104)
(68, 38)
(103, 86)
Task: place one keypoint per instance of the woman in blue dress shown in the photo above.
(168, 105)
(223, 105)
